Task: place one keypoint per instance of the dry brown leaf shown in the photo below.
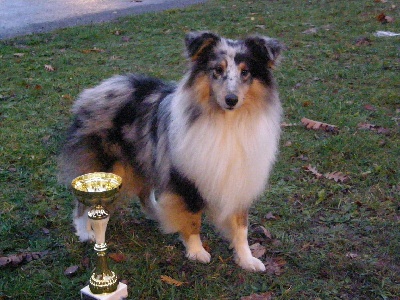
(274, 266)
(71, 271)
(171, 281)
(263, 296)
(49, 68)
(384, 18)
(316, 125)
(313, 170)
(257, 250)
(17, 259)
(377, 129)
(370, 107)
(351, 255)
(284, 124)
(363, 41)
(67, 97)
(337, 176)
(270, 216)
(263, 230)
(117, 257)
(312, 30)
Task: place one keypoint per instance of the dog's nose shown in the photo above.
(231, 100)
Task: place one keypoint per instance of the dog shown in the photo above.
(205, 144)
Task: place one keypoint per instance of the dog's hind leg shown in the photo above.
(148, 203)
(235, 228)
(174, 217)
(81, 222)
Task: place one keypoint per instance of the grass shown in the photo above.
(330, 240)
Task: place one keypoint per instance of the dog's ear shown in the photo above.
(265, 49)
(198, 44)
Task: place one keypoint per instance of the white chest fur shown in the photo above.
(228, 156)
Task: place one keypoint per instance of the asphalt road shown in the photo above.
(21, 17)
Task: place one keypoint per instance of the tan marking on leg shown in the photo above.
(174, 217)
(235, 228)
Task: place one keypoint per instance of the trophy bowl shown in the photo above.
(98, 188)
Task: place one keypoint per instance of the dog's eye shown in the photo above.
(244, 73)
(218, 71)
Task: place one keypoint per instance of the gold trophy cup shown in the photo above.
(97, 190)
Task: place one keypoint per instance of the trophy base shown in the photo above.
(119, 294)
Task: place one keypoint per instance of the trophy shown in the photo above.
(97, 190)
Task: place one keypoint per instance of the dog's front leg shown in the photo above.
(174, 217)
(235, 228)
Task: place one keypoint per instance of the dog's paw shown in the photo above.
(250, 264)
(83, 229)
(85, 235)
(200, 255)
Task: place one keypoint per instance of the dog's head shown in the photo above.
(231, 73)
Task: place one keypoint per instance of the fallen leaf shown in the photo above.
(288, 144)
(67, 96)
(263, 230)
(284, 124)
(370, 107)
(257, 250)
(377, 129)
(70, 271)
(313, 170)
(270, 216)
(316, 125)
(49, 68)
(363, 41)
(312, 30)
(4, 261)
(351, 255)
(337, 176)
(171, 281)
(274, 266)
(206, 246)
(263, 296)
(384, 18)
(85, 262)
(17, 259)
(117, 257)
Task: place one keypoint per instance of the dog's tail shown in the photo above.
(88, 147)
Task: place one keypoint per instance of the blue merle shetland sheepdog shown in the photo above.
(206, 144)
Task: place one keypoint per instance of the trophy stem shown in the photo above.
(103, 280)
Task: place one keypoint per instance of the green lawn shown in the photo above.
(327, 239)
